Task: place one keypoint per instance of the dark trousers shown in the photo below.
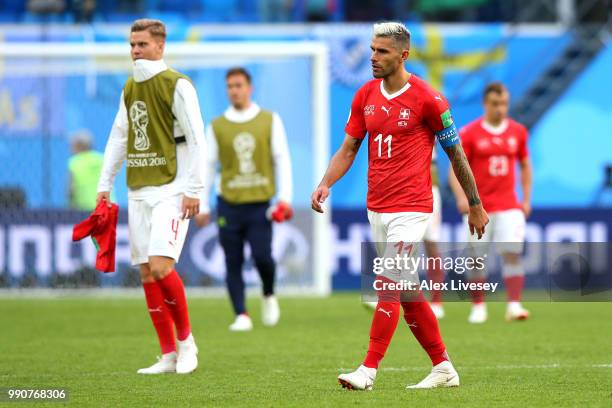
(239, 223)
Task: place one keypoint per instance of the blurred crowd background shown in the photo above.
(298, 11)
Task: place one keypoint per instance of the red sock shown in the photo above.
(383, 326)
(160, 315)
(424, 326)
(174, 297)
(435, 275)
(384, 323)
(514, 287)
(478, 296)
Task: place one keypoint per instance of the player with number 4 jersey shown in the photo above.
(403, 116)
(159, 131)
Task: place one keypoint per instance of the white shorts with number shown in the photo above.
(434, 228)
(505, 228)
(390, 229)
(156, 228)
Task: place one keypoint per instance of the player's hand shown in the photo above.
(318, 197)
(477, 219)
(190, 207)
(463, 206)
(202, 220)
(526, 209)
(103, 195)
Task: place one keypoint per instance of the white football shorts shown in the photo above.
(391, 229)
(433, 232)
(156, 228)
(505, 228)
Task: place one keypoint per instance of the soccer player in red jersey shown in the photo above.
(403, 116)
(493, 145)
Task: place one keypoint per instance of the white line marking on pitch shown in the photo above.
(497, 367)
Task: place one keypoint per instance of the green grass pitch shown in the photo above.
(562, 357)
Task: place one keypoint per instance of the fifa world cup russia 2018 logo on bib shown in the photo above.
(244, 146)
(140, 120)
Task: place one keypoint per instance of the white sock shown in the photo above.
(189, 339)
(371, 372)
(169, 356)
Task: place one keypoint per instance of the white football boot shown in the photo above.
(242, 323)
(516, 311)
(442, 375)
(187, 360)
(361, 379)
(437, 309)
(165, 364)
(270, 311)
(478, 314)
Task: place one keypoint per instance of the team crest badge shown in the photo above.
(512, 143)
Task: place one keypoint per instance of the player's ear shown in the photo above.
(405, 54)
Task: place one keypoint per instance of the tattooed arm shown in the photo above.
(338, 166)
(461, 178)
(462, 175)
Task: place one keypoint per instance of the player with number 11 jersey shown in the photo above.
(402, 128)
(402, 116)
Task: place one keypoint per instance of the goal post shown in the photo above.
(99, 69)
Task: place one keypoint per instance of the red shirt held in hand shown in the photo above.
(101, 225)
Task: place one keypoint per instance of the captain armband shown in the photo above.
(448, 136)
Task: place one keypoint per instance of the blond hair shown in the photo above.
(155, 27)
(397, 31)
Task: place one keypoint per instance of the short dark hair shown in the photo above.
(238, 71)
(155, 27)
(494, 87)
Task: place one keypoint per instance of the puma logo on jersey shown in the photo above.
(170, 302)
(413, 324)
(157, 309)
(386, 110)
(438, 97)
(380, 309)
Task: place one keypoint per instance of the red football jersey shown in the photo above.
(401, 129)
(493, 154)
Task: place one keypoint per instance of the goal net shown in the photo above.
(51, 91)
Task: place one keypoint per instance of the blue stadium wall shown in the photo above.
(458, 60)
(36, 248)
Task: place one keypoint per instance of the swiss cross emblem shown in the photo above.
(369, 110)
(404, 113)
